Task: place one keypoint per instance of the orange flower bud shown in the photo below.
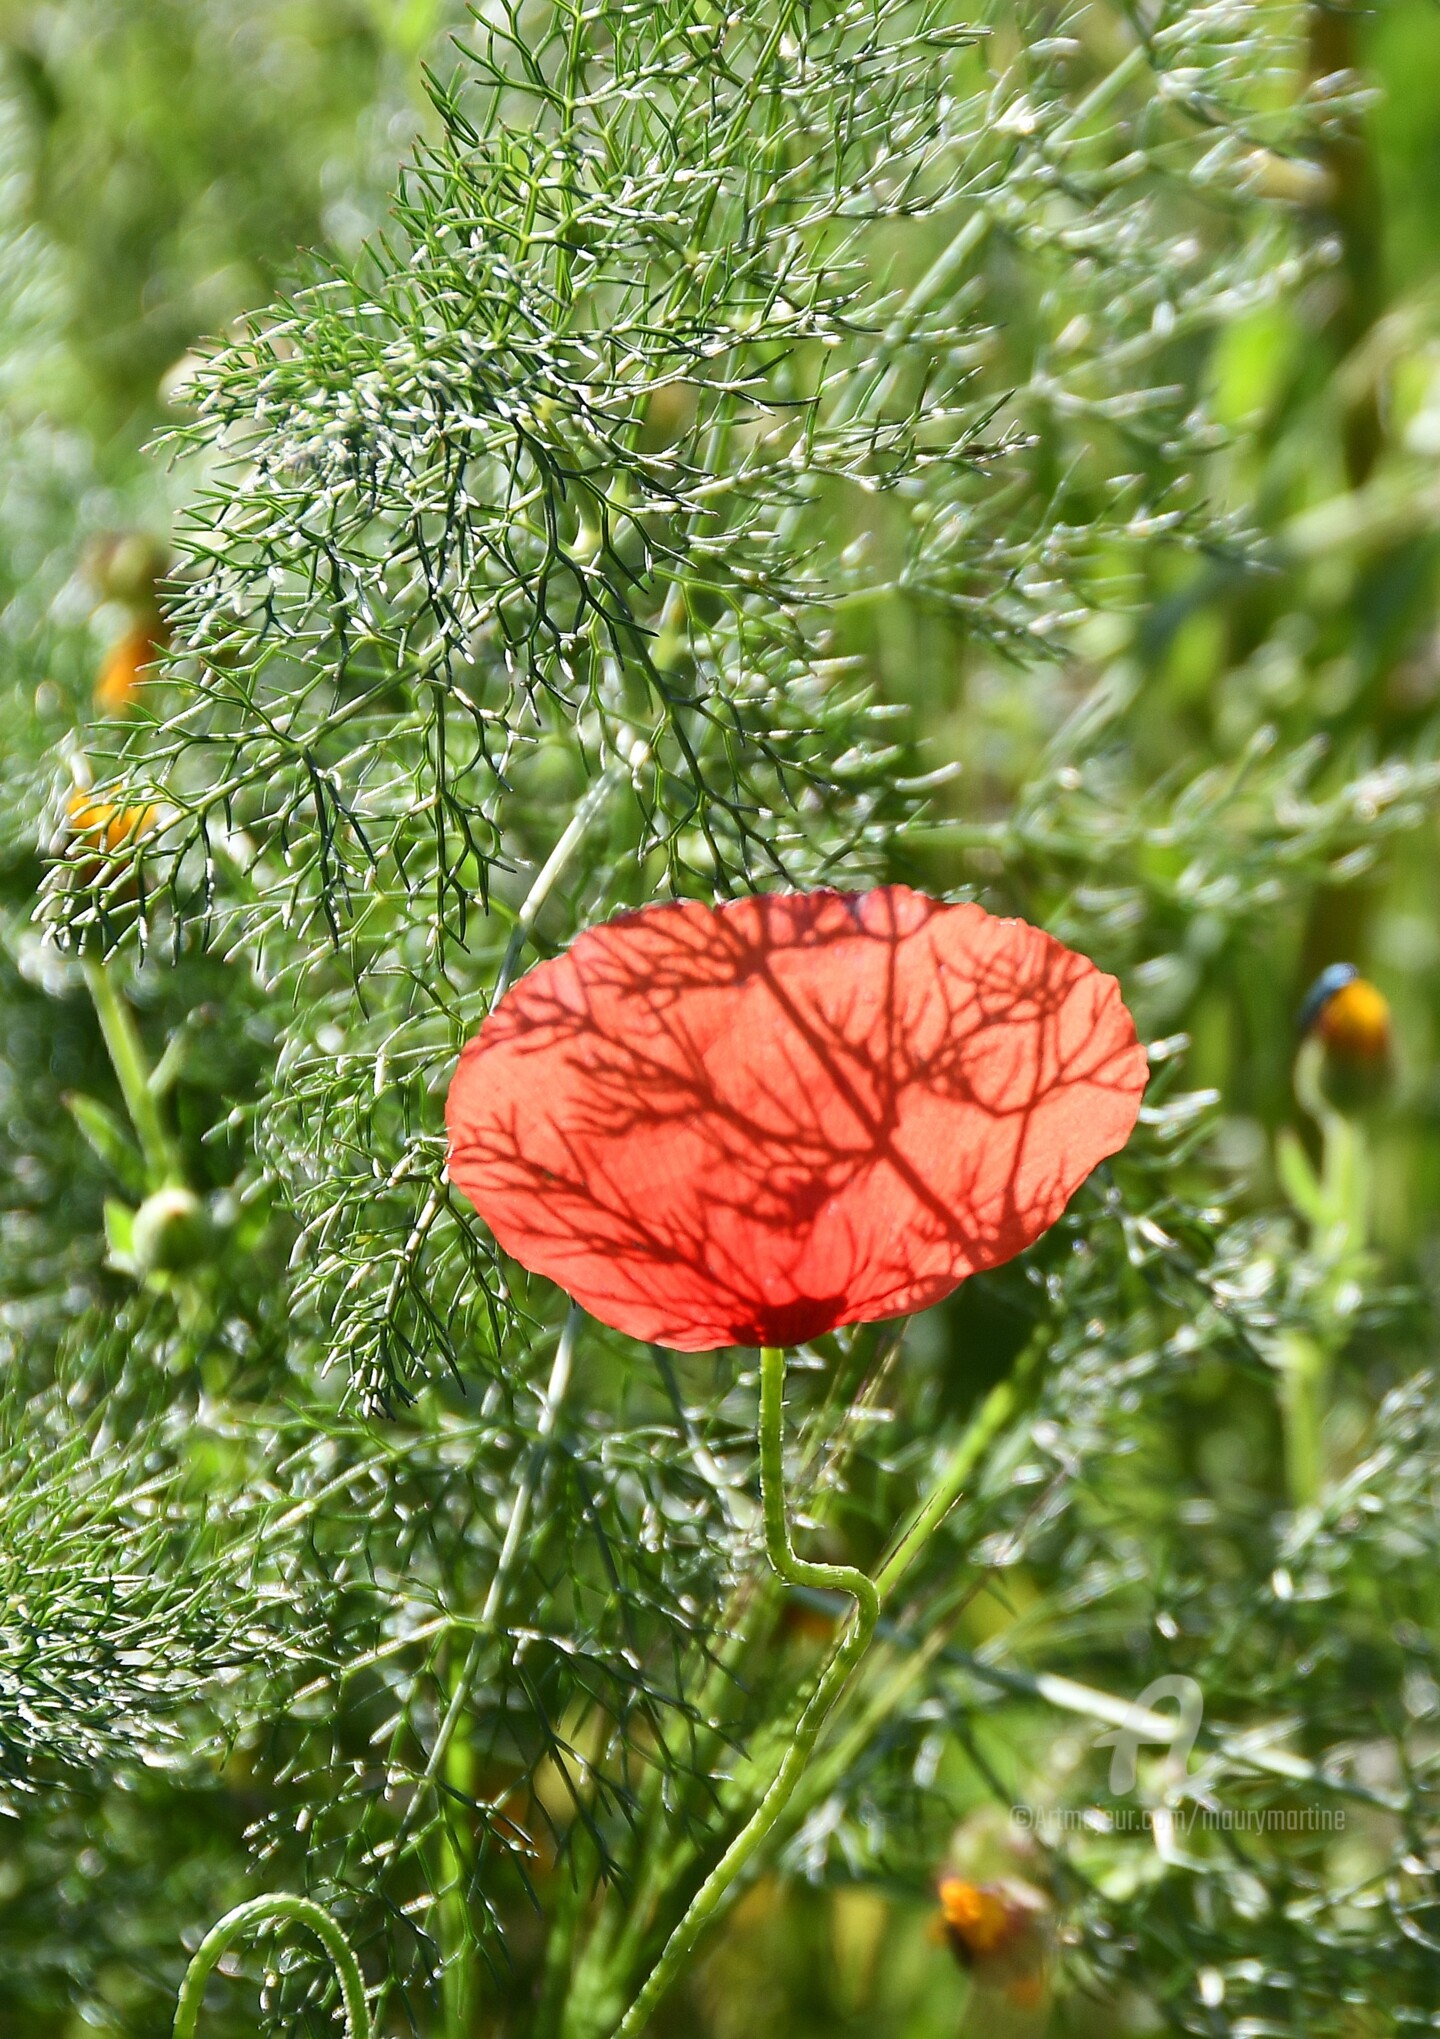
(1356, 1022)
(1346, 1022)
(106, 826)
(998, 1931)
(980, 1917)
(124, 666)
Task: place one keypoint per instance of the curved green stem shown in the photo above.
(127, 1056)
(271, 1909)
(848, 1651)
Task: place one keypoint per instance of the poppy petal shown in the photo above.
(750, 1123)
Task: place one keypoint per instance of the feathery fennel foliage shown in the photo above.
(564, 551)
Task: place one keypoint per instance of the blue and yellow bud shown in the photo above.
(1348, 1019)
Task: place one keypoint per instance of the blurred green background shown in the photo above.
(163, 164)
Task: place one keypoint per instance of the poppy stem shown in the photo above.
(272, 1909)
(796, 1571)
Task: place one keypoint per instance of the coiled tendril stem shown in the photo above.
(272, 1909)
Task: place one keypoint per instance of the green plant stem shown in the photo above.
(1304, 1391)
(552, 870)
(1006, 1400)
(127, 1056)
(459, 1980)
(751, 1608)
(515, 1530)
(272, 1909)
(1339, 1227)
(797, 1571)
(611, 1947)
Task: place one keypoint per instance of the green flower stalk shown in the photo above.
(847, 1654)
(1344, 1069)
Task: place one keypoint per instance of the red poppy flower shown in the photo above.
(747, 1124)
